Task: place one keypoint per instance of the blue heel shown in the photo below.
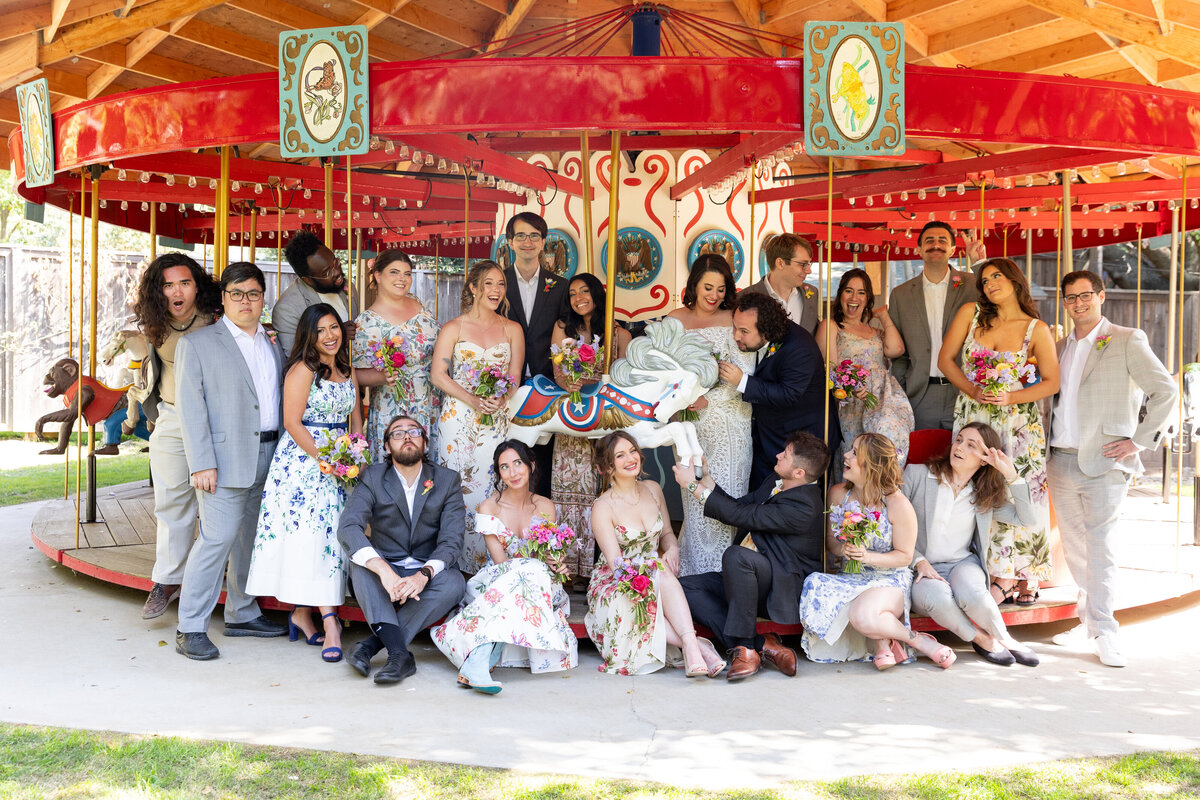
(475, 672)
(295, 631)
(330, 654)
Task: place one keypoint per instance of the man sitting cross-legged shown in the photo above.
(779, 542)
(400, 576)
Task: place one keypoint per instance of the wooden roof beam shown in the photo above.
(10, 112)
(428, 21)
(1051, 58)
(18, 61)
(751, 12)
(108, 29)
(508, 25)
(29, 17)
(58, 8)
(988, 29)
(1183, 44)
(230, 42)
(1138, 57)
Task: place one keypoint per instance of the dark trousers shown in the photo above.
(730, 602)
(543, 461)
(412, 616)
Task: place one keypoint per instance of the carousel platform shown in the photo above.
(119, 549)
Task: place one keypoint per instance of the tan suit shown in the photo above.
(1087, 487)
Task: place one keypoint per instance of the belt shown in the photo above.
(308, 423)
(267, 436)
(939, 382)
(1066, 451)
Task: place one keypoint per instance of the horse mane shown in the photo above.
(666, 346)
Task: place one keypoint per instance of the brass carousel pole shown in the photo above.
(585, 160)
(221, 241)
(153, 231)
(437, 274)
(328, 163)
(750, 242)
(70, 317)
(827, 281)
(94, 298)
(278, 243)
(253, 234)
(1182, 360)
(350, 254)
(79, 373)
(1139, 276)
(1068, 242)
(466, 230)
(610, 303)
(1058, 281)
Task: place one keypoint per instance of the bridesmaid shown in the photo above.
(867, 337)
(482, 336)
(724, 425)
(396, 313)
(573, 480)
(297, 557)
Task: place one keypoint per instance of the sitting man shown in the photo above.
(415, 510)
(779, 542)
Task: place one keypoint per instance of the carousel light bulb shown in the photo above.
(389, 147)
(300, 213)
(920, 194)
(1073, 175)
(403, 204)
(971, 214)
(1150, 206)
(419, 204)
(931, 216)
(1033, 211)
(1195, 203)
(1024, 234)
(953, 215)
(120, 174)
(366, 200)
(356, 215)
(1100, 232)
(852, 202)
(1052, 178)
(1096, 172)
(192, 182)
(124, 205)
(1012, 212)
(1121, 168)
(1084, 233)
(320, 214)
(1116, 231)
(212, 183)
(441, 165)
(258, 234)
(416, 157)
(454, 168)
(1171, 205)
(991, 213)
(374, 215)
(870, 200)
(258, 188)
(962, 189)
(370, 231)
(346, 198)
(887, 199)
(162, 207)
(144, 177)
(403, 155)
(941, 191)
(145, 206)
(308, 194)
(337, 214)
(479, 179)
(904, 195)
(245, 236)
(270, 234)
(236, 186)
(169, 178)
(1087, 210)
(1029, 180)
(103, 203)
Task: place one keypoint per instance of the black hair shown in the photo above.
(299, 249)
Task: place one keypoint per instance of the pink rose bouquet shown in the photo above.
(487, 380)
(847, 377)
(579, 359)
(391, 357)
(548, 543)
(854, 525)
(994, 373)
(635, 578)
(342, 457)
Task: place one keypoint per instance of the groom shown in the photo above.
(400, 575)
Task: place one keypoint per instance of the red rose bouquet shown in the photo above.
(853, 525)
(635, 578)
(390, 357)
(579, 359)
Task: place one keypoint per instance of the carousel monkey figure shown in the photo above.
(97, 400)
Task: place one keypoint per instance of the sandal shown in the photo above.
(296, 632)
(941, 655)
(1026, 596)
(330, 654)
(885, 658)
(720, 665)
(1006, 595)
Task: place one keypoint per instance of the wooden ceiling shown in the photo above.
(91, 48)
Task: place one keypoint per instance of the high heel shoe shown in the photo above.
(717, 668)
(475, 673)
(899, 651)
(295, 631)
(941, 655)
(885, 658)
(330, 654)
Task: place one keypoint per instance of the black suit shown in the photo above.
(787, 530)
(787, 392)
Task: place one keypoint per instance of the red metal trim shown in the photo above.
(745, 153)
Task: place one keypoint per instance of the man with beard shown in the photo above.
(400, 576)
(319, 279)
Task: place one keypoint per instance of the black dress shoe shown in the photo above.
(1026, 658)
(196, 646)
(1001, 658)
(260, 626)
(396, 669)
(360, 658)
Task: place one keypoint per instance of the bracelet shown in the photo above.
(691, 487)
(704, 496)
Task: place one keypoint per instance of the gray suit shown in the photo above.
(932, 405)
(285, 314)
(434, 530)
(808, 294)
(1087, 487)
(218, 410)
(965, 595)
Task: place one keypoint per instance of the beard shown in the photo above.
(408, 456)
(334, 286)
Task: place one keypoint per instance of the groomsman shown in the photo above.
(790, 257)
(787, 389)
(781, 530)
(535, 298)
(922, 310)
(1095, 438)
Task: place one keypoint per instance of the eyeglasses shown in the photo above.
(405, 433)
(1072, 299)
(237, 296)
(800, 264)
(527, 237)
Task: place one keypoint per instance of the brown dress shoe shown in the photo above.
(746, 662)
(775, 652)
(161, 596)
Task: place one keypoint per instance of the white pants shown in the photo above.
(960, 603)
(174, 498)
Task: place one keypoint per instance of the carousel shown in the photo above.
(691, 143)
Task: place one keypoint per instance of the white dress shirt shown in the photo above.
(949, 540)
(528, 290)
(794, 304)
(1065, 425)
(365, 554)
(338, 301)
(259, 354)
(935, 306)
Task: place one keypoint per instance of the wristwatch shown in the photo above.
(691, 487)
(427, 571)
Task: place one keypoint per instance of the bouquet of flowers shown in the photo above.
(992, 373)
(847, 377)
(390, 357)
(854, 526)
(343, 456)
(579, 360)
(634, 578)
(548, 543)
(1029, 375)
(487, 380)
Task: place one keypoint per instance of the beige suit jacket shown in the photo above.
(1115, 377)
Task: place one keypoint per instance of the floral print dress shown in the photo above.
(517, 603)
(297, 557)
(1013, 551)
(825, 599)
(467, 446)
(892, 417)
(627, 646)
(420, 400)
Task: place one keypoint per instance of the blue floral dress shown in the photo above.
(517, 603)
(825, 599)
(297, 557)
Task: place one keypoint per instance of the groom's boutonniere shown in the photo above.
(1102, 342)
(550, 284)
(428, 488)
(956, 280)
(808, 291)
(771, 350)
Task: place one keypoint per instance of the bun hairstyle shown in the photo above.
(474, 280)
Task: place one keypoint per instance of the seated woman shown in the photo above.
(514, 611)
(956, 497)
(632, 622)
(848, 617)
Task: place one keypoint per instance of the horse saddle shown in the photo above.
(546, 399)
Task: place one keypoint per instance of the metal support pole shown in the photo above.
(94, 295)
(585, 169)
(329, 205)
(610, 303)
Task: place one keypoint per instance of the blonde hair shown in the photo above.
(474, 280)
(876, 456)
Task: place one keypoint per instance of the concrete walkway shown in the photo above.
(82, 657)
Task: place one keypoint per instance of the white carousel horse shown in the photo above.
(662, 373)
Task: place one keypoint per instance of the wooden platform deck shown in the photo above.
(119, 549)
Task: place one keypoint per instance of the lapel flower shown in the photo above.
(956, 280)
(1102, 342)
(808, 291)
(428, 488)
(272, 335)
(771, 350)
(550, 284)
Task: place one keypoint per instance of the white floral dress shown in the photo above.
(825, 599)
(892, 417)
(467, 446)
(421, 401)
(297, 557)
(517, 603)
(724, 433)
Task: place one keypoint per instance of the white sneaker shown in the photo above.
(1074, 637)
(1109, 650)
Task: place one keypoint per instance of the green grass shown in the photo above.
(61, 764)
(45, 481)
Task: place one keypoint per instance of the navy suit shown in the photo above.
(787, 392)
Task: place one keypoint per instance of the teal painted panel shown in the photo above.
(37, 132)
(324, 101)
